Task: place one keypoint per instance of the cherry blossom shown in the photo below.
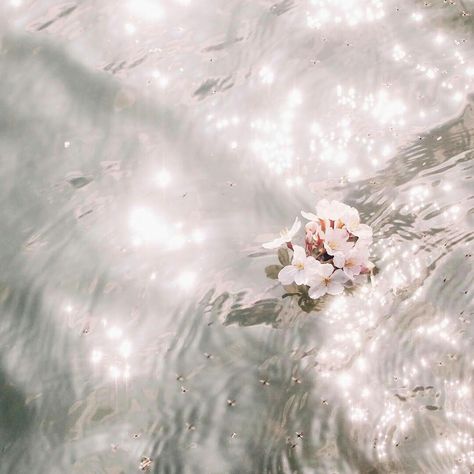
(336, 240)
(333, 210)
(285, 236)
(354, 261)
(324, 280)
(351, 221)
(300, 269)
(336, 251)
(326, 211)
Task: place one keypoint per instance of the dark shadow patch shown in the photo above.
(223, 45)
(15, 415)
(212, 86)
(62, 14)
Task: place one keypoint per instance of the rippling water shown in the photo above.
(147, 149)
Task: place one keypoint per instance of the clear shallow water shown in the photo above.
(147, 150)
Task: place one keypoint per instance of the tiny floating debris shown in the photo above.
(78, 180)
(145, 464)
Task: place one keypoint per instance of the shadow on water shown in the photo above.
(33, 380)
(249, 389)
(451, 140)
(262, 312)
(15, 416)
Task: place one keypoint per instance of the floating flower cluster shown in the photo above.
(335, 252)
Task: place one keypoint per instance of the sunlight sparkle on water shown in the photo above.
(146, 226)
(114, 332)
(323, 13)
(163, 178)
(186, 279)
(146, 9)
(96, 356)
(125, 349)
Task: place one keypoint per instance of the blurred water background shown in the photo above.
(147, 149)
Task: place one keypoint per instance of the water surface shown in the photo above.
(147, 149)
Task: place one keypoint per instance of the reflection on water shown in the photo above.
(147, 150)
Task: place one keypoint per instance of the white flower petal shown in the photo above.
(294, 228)
(335, 288)
(311, 274)
(285, 237)
(300, 277)
(338, 277)
(287, 275)
(339, 259)
(273, 244)
(317, 291)
(299, 254)
(349, 273)
(310, 216)
(351, 219)
(312, 265)
(322, 209)
(326, 270)
(356, 269)
(316, 279)
(361, 249)
(359, 279)
(364, 232)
